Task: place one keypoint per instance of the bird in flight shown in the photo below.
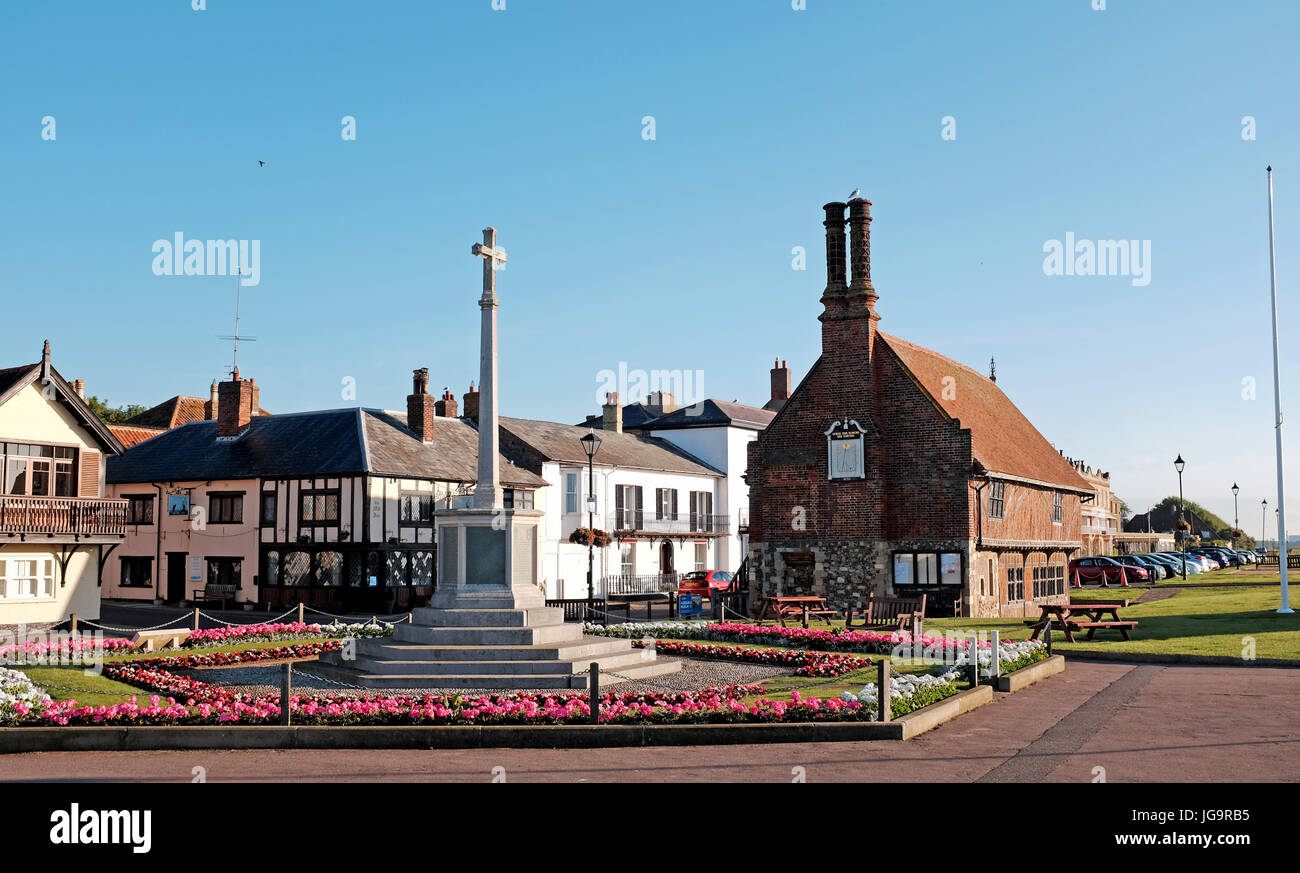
(261, 163)
(857, 192)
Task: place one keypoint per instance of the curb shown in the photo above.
(1204, 660)
(1026, 676)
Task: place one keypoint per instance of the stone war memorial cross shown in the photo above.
(487, 493)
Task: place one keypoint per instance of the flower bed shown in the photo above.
(805, 663)
(283, 631)
(17, 690)
(826, 640)
(73, 649)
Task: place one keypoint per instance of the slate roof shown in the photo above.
(715, 413)
(325, 443)
(635, 415)
(553, 441)
(1002, 439)
(175, 411)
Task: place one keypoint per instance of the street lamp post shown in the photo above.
(591, 445)
(1179, 463)
(1236, 520)
(1263, 520)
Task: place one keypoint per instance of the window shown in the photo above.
(329, 568)
(139, 509)
(268, 507)
(701, 556)
(26, 578)
(1049, 581)
(627, 558)
(320, 508)
(1056, 507)
(417, 508)
(224, 571)
(997, 499)
(572, 484)
(225, 508)
(517, 498)
(1015, 584)
(701, 510)
(137, 572)
(927, 568)
(627, 507)
(666, 504)
(37, 470)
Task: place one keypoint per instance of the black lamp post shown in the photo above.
(1236, 520)
(1179, 463)
(591, 445)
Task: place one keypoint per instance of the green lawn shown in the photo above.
(1203, 620)
(91, 690)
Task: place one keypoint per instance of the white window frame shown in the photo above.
(574, 478)
(38, 578)
(627, 559)
(701, 556)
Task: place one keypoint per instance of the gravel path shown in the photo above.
(694, 675)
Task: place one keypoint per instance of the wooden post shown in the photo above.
(300, 621)
(196, 618)
(593, 691)
(286, 685)
(884, 702)
(995, 638)
(72, 619)
(1047, 634)
(805, 615)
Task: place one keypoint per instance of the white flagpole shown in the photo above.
(1277, 409)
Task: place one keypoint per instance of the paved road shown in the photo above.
(1139, 722)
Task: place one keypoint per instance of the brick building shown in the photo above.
(893, 469)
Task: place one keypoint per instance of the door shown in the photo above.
(177, 564)
(665, 558)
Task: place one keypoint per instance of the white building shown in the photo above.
(666, 508)
(56, 528)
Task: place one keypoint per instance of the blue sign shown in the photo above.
(178, 504)
(690, 604)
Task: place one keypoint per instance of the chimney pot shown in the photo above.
(780, 386)
(836, 273)
(446, 407)
(79, 385)
(237, 403)
(860, 246)
(421, 409)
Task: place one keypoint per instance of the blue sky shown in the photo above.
(673, 253)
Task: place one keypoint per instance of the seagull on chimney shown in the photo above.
(857, 192)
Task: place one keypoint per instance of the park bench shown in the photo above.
(213, 593)
(889, 613)
(1062, 617)
(152, 640)
(781, 607)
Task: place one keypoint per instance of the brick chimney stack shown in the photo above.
(860, 250)
(210, 407)
(447, 406)
(612, 413)
(848, 342)
(661, 403)
(780, 385)
(470, 402)
(237, 403)
(420, 406)
(79, 385)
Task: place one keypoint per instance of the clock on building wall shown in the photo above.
(844, 452)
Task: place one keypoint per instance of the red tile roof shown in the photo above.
(1002, 439)
(129, 435)
(175, 411)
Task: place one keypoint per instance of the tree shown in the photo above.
(113, 414)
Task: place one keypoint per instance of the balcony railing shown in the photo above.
(630, 521)
(66, 516)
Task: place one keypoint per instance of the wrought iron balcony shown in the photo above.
(62, 516)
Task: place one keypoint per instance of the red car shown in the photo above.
(704, 582)
(1105, 571)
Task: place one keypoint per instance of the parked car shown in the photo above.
(1157, 571)
(1193, 565)
(1163, 561)
(1225, 557)
(1105, 570)
(1247, 556)
(704, 582)
(1202, 564)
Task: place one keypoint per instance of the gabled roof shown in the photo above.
(15, 379)
(326, 443)
(1002, 439)
(175, 411)
(714, 413)
(560, 442)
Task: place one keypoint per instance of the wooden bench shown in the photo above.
(213, 593)
(1122, 626)
(781, 607)
(889, 613)
(149, 641)
(1070, 617)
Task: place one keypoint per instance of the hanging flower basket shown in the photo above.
(586, 536)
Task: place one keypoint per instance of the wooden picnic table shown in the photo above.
(1070, 617)
(781, 607)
